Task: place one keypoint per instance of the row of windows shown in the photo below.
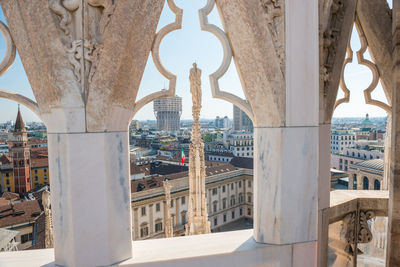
(158, 206)
(346, 137)
(342, 143)
(377, 183)
(215, 190)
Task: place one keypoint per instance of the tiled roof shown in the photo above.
(39, 162)
(5, 160)
(239, 162)
(19, 123)
(19, 213)
(157, 181)
(375, 164)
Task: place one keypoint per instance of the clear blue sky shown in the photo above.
(178, 51)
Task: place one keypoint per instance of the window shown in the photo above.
(45, 170)
(240, 184)
(231, 186)
(354, 181)
(223, 189)
(233, 214)
(45, 177)
(249, 183)
(183, 200)
(249, 198)
(26, 238)
(232, 200)
(158, 226)
(215, 221)
(377, 185)
(248, 212)
(240, 211)
(144, 231)
(240, 198)
(143, 211)
(224, 217)
(35, 171)
(224, 203)
(7, 174)
(158, 207)
(36, 185)
(214, 191)
(172, 203)
(215, 206)
(7, 182)
(340, 160)
(36, 178)
(365, 183)
(183, 217)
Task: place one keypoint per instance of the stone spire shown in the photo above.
(48, 228)
(198, 218)
(169, 230)
(19, 123)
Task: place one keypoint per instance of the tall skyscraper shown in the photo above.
(168, 112)
(241, 122)
(20, 156)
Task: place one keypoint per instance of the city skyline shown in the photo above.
(178, 51)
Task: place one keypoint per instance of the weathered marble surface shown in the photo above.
(84, 61)
(393, 248)
(90, 196)
(285, 184)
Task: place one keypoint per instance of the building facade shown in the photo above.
(341, 139)
(229, 196)
(168, 113)
(222, 123)
(241, 122)
(367, 175)
(240, 144)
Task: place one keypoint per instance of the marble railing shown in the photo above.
(349, 218)
(236, 249)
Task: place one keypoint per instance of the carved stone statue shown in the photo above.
(48, 220)
(198, 218)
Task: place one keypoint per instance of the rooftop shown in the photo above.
(375, 164)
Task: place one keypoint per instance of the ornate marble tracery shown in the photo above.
(83, 48)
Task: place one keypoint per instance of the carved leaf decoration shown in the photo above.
(176, 25)
(214, 77)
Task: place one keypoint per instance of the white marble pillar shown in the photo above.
(90, 196)
(286, 155)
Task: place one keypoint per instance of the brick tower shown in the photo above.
(20, 156)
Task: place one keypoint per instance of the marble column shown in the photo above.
(84, 61)
(324, 185)
(286, 155)
(86, 202)
(275, 45)
(393, 247)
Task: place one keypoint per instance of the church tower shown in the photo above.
(20, 156)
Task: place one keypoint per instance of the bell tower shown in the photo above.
(20, 156)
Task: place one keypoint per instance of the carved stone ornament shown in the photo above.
(198, 218)
(275, 15)
(83, 48)
(330, 36)
(356, 230)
